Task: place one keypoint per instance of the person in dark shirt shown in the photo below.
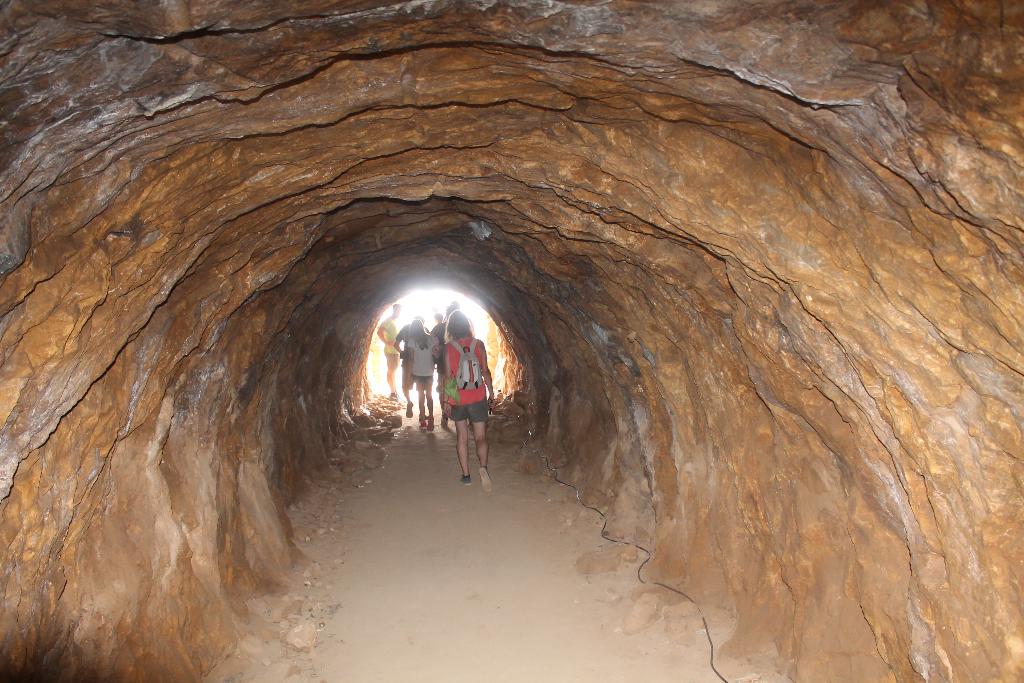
(402, 343)
(437, 332)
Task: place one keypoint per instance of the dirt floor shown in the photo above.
(413, 576)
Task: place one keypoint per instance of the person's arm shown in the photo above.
(487, 373)
(398, 339)
(380, 333)
(442, 378)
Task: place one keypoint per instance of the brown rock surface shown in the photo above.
(646, 610)
(608, 558)
(761, 265)
(302, 636)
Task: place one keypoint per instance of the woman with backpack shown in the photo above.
(422, 349)
(468, 392)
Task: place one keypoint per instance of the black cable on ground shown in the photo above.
(640, 569)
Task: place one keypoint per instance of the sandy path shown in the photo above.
(415, 577)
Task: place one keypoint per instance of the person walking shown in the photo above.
(404, 349)
(437, 333)
(422, 349)
(451, 308)
(468, 393)
(387, 332)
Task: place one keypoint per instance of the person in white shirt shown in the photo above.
(422, 347)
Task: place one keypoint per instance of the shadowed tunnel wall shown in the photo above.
(762, 268)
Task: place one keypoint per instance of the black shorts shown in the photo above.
(474, 412)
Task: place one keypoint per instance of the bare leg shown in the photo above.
(430, 401)
(407, 387)
(462, 444)
(407, 382)
(392, 367)
(480, 436)
(440, 394)
(422, 394)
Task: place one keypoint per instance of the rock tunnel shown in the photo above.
(760, 266)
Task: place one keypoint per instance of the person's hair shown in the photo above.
(453, 306)
(395, 308)
(438, 318)
(458, 326)
(418, 333)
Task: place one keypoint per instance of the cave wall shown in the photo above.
(762, 267)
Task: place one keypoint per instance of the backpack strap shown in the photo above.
(458, 349)
(474, 358)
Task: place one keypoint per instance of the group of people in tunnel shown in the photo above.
(464, 386)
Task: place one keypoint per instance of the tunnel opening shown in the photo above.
(759, 271)
(431, 306)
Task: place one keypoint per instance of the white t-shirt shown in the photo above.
(423, 359)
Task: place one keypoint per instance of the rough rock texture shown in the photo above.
(762, 266)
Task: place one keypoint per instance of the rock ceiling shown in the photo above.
(762, 266)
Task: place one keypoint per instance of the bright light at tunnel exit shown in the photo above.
(426, 303)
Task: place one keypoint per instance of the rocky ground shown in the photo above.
(410, 576)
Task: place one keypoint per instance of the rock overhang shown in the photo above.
(809, 226)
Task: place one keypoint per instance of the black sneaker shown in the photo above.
(466, 480)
